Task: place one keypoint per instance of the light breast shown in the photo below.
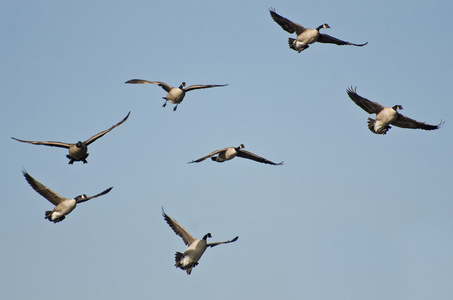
(196, 250)
(77, 152)
(176, 95)
(386, 116)
(230, 153)
(309, 36)
(66, 206)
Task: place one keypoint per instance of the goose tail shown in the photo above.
(178, 257)
(382, 130)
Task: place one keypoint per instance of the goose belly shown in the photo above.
(230, 153)
(309, 36)
(78, 152)
(175, 95)
(386, 116)
(194, 252)
(63, 209)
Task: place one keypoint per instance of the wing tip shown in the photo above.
(351, 90)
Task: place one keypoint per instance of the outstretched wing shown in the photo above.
(286, 24)
(100, 134)
(52, 144)
(80, 200)
(218, 243)
(252, 156)
(325, 38)
(178, 229)
(209, 155)
(200, 86)
(165, 86)
(367, 105)
(44, 191)
(405, 122)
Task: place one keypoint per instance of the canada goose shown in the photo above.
(189, 259)
(386, 115)
(63, 206)
(175, 95)
(231, 152)
(77, 151)
(306, 36)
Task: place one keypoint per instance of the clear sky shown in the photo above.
(350, 215)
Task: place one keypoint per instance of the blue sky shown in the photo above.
(350, 215)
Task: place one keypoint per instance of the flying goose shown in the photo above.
(306, 36)
(63, 206)
(77, 151)
(231, 152)
(386, 115)
(189, 259)
(175, 95)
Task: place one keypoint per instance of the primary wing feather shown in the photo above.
(367, 105)
(44, 191)
(325, 38)
(100, 134)
(226, 242)
(100, 194)
(52, 144)
(286, 24)
(252, 156)
(201, 86)
(178, 229)
(405, 122)
(165, 86)
(209, 155)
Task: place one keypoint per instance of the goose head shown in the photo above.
(397, 107)
(79, 144)
(325, 25)
(183, 84)
(208, 235)
(83, 196)
(240, 147)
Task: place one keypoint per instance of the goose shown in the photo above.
(77, 151)
(229, 153)
(175, 95)
(189, 259)
(63, 206)
(306, 36)
(386, 115)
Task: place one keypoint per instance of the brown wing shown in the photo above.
(52, 144)
(209, 155)
(100, 134)
(178, 229)
(80, 200)
(405, 122)
(367, 105)
(200, 86)
(44, 191)
(165, 86)
(252, 156)
(218, 243)
(286, 24)
(325, 38)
